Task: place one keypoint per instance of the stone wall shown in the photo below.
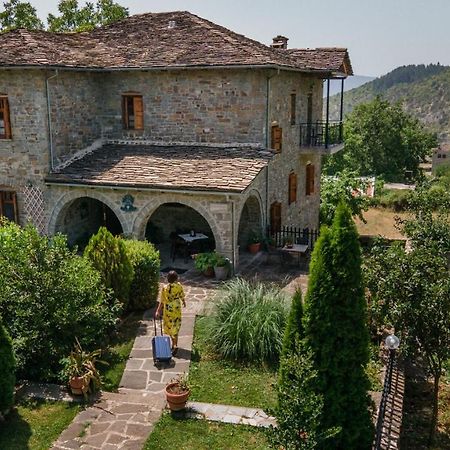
(190, 106)
(304, 212)
(24, 159)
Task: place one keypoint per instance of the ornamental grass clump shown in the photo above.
(249, 321)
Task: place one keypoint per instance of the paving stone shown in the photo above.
(129, 408)
(87, 415)
(97, 428)
(143, 343)
(138, 430)
(132, 445)
(135, 363)
(251, 422)
(230, 418)
(134, 379)
(116, 439)
(139, 353)
(95, 440)
(117, 427)
(156, 387)
(155, 376)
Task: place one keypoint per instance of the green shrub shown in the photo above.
(299, 410)
(48, 296)
(294, 331)
(145, 261)
(7, 371)
(396, 199)
(109, 257)
(249, 321)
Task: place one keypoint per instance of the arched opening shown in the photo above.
(179, 231)
(250, 223)
(81, 218)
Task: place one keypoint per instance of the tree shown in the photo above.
(74, 18)
(382, 139)
(411, 290)
(336, 333)
(19, 14)
(7, 371)
(293, 332)
(344, 186)
(108, 255)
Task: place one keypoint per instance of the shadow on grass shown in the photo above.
(417, 411)
(15, 432)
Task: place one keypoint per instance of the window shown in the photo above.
(277, 134)
(275, 217)
(8, 205)
(133, 112)
(293, 108)
(5, 124)
(292, 188)
(309, 179)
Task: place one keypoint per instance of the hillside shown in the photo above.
(424, 91)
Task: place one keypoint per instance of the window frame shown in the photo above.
(309, 179)
(138, 118)
(292, 188)
(276, 138)
(4, 107)
(293, 112)
(9, 201)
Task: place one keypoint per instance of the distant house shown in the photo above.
(160, 124)
(441, 156)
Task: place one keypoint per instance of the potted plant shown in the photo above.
(288, 242)
(177, 392)
(204, 262)
(221, 267)
(254, 242)
(80, 370)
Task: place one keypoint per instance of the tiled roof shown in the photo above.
(146, 41)
(199, 168)
(334, 59)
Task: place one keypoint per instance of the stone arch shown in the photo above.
(65, 201)
(142, 218)
(250, 216)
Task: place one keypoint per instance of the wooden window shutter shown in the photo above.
(292, 188)
(277, 136)
(309, 179)
(275, 217)
(5, 124)
(8, 206)
(293, 108)
(138, 108)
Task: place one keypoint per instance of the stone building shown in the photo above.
(162, 123)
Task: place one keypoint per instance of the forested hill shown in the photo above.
(424, 91)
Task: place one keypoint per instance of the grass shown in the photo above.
(191, 434)
(118, 351)
(35, 424)
(417, 413)
(380, 222)
(215, 380)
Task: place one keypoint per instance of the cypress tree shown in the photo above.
(293, 332)
(109, 256)
(336, 333)
(7, 371)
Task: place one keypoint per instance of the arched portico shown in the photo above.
(250, 219)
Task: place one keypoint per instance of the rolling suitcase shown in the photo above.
(161, 346)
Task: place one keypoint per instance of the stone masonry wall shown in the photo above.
(190, 106)
(305, 211)
(24, 159)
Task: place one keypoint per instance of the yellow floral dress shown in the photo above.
(172, 297)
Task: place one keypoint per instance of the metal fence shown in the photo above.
(281, 235)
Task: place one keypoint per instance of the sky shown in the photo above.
(379, 34)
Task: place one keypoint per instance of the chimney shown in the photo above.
(172, 24)
(280, 42)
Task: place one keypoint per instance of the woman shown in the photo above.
(172, 296)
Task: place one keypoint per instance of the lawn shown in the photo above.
(215, 380)
(118, 351)
(192, 434)
(35, 424)
(380, 222)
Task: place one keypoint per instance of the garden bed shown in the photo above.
(215, 380)
(36, 424)
(192, 434)
(118, 351)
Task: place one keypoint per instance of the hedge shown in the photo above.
(145, 261)
(7, 371)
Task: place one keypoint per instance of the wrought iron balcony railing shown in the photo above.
(321, 134)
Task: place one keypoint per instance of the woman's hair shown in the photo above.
(172, 276)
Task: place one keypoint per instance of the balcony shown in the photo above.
(326, 137)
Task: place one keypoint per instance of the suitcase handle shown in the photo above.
(160, 322)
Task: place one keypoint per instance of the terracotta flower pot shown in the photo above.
(254, 248)
(177, 400)
(209, 272)
(77, 385)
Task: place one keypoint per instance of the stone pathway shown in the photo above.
(228, 414)
(124, 420)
